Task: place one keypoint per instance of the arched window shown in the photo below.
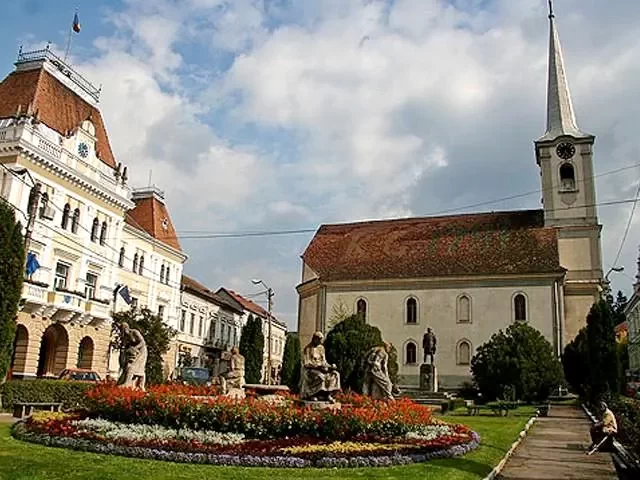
(135, 263)
(162, 274)
(361, 308)
(75, 220)
(567, 177)
(464, 309)
(94, 229)
(141, 267)
(121, 258)
(44, 203)
(103, 233)
(65, 216)
(520, 308)
(410, 353)
(464, 352)
(166, 275)
(412, 310)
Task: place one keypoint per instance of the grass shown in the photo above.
(24, 461)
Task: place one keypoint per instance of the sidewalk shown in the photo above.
(554, 449)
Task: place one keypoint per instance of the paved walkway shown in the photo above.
(554, 449)
(7, 418)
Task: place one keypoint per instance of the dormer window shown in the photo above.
(88, 127)
(567, 177)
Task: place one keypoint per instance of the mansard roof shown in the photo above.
(56, 105)
(152, 216)
(496, 243)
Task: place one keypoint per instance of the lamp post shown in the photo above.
(270, 294)
(606, 278)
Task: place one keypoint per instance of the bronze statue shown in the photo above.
(429, 345)
(319, 378)
(133, 358)
(377, 383)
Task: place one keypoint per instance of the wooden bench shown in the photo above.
(25, 409)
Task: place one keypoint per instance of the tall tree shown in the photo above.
(290, 373)
(252, 348)
(157, 335)
(12, 260)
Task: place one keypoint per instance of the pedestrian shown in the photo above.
(603, 432)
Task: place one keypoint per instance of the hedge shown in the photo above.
(69, 393)
(627, 412)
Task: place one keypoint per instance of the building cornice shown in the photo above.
(142, 235)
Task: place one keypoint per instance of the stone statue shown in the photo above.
(429, 345)
(133, 358)
(377, 383)
(319, 379)
(235, 376)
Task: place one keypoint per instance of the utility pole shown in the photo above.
(32, 210)
(269, 304)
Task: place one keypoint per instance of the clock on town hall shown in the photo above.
(566, 151)
(83, 150)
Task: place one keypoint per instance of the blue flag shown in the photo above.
(123, 291)
(32, 263)
(76, 23)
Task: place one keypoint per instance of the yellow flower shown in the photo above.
(347, 447)
(42, 417)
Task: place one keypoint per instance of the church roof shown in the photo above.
(513, 242)
(57, 106)
(152, 216)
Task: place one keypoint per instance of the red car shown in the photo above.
(79, 375)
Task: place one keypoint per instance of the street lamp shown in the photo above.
(606, 277)
(269, 293)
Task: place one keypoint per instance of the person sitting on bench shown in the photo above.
(602, 432)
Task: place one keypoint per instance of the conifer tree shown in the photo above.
(290, 373)
(252, 349)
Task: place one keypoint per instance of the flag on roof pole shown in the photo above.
(76, 23)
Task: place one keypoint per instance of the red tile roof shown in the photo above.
(477, 244)
(251, 306)
(148, 215)
(191, 285)
(58, 107)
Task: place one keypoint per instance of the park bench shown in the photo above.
(473, 409)
(25, 409)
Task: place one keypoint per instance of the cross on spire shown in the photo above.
(551, 15)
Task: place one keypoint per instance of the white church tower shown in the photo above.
(565, 156)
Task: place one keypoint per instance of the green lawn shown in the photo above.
(23, 461)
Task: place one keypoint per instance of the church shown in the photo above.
(468, 276)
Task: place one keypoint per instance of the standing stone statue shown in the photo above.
(235, 375)
(429, 345)
(319, 379)
(377, 383)
(133, 358)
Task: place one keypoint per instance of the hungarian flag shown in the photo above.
(76, 23)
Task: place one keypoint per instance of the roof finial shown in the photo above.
(551, 15)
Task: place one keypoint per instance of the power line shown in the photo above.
(626, 230)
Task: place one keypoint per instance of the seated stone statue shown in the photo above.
(235, 376)
(319, 379)
(377, 383)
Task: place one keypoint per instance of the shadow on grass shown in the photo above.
(466, 465)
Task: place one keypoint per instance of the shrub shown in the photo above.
(627, 412)
(70, 394)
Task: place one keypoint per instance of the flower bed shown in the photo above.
(170, 425)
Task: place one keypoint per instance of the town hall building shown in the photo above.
(468, 276)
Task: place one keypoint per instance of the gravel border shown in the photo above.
(20, 432)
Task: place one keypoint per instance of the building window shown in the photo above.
(103, 233)
(183, 320)
(166, 275)
(135, 263)
(62, 276)
(464, 309)
(411, 353)
(162, 274)
(192, 324)
(161, 312)
(212, 329)
(94, 230)
(567, 177)
(464, 352)
(200, 325)
(412, 311)
(75, 220)
(90, 285)
(121, 257)
(361, 308)
(65, 216)
(134, 302)
(44, 204)
(520, 308)
(141, 266)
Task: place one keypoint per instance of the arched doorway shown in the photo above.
(54, 348)
(20, 344)
(85, 353)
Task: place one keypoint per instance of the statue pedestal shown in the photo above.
(428, 377)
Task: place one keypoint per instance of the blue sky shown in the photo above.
(260, 115)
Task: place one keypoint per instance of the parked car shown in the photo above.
(79, 375)
(195, 376)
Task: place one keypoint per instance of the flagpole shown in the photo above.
(68, 49)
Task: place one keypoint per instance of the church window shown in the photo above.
(94, 230)
(103, 233)
(361, 308)
(464, 352)
(412, 310)
(464, 309)
(65, 216)
(567, 177)
(411, 353)
(520, 308)
(75, 220)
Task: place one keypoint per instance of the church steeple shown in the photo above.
(561, 119)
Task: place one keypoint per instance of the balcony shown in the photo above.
(66, 305)
(34, 296)
(97, 310)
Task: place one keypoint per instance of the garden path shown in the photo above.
(555, 449)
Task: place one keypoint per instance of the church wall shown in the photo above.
(491, 310)
(575, 253)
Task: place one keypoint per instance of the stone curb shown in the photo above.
(498, 468)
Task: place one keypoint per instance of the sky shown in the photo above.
(271, 115)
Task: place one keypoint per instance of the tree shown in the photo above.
(252, 348)
(617, 306)
(347, 343)
(575, 361)
(12, 267)
(290, 373)
(157, 335)
(519, 360)
(339, 311)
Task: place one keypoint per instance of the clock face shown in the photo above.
(83, 150)
(565, 151)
